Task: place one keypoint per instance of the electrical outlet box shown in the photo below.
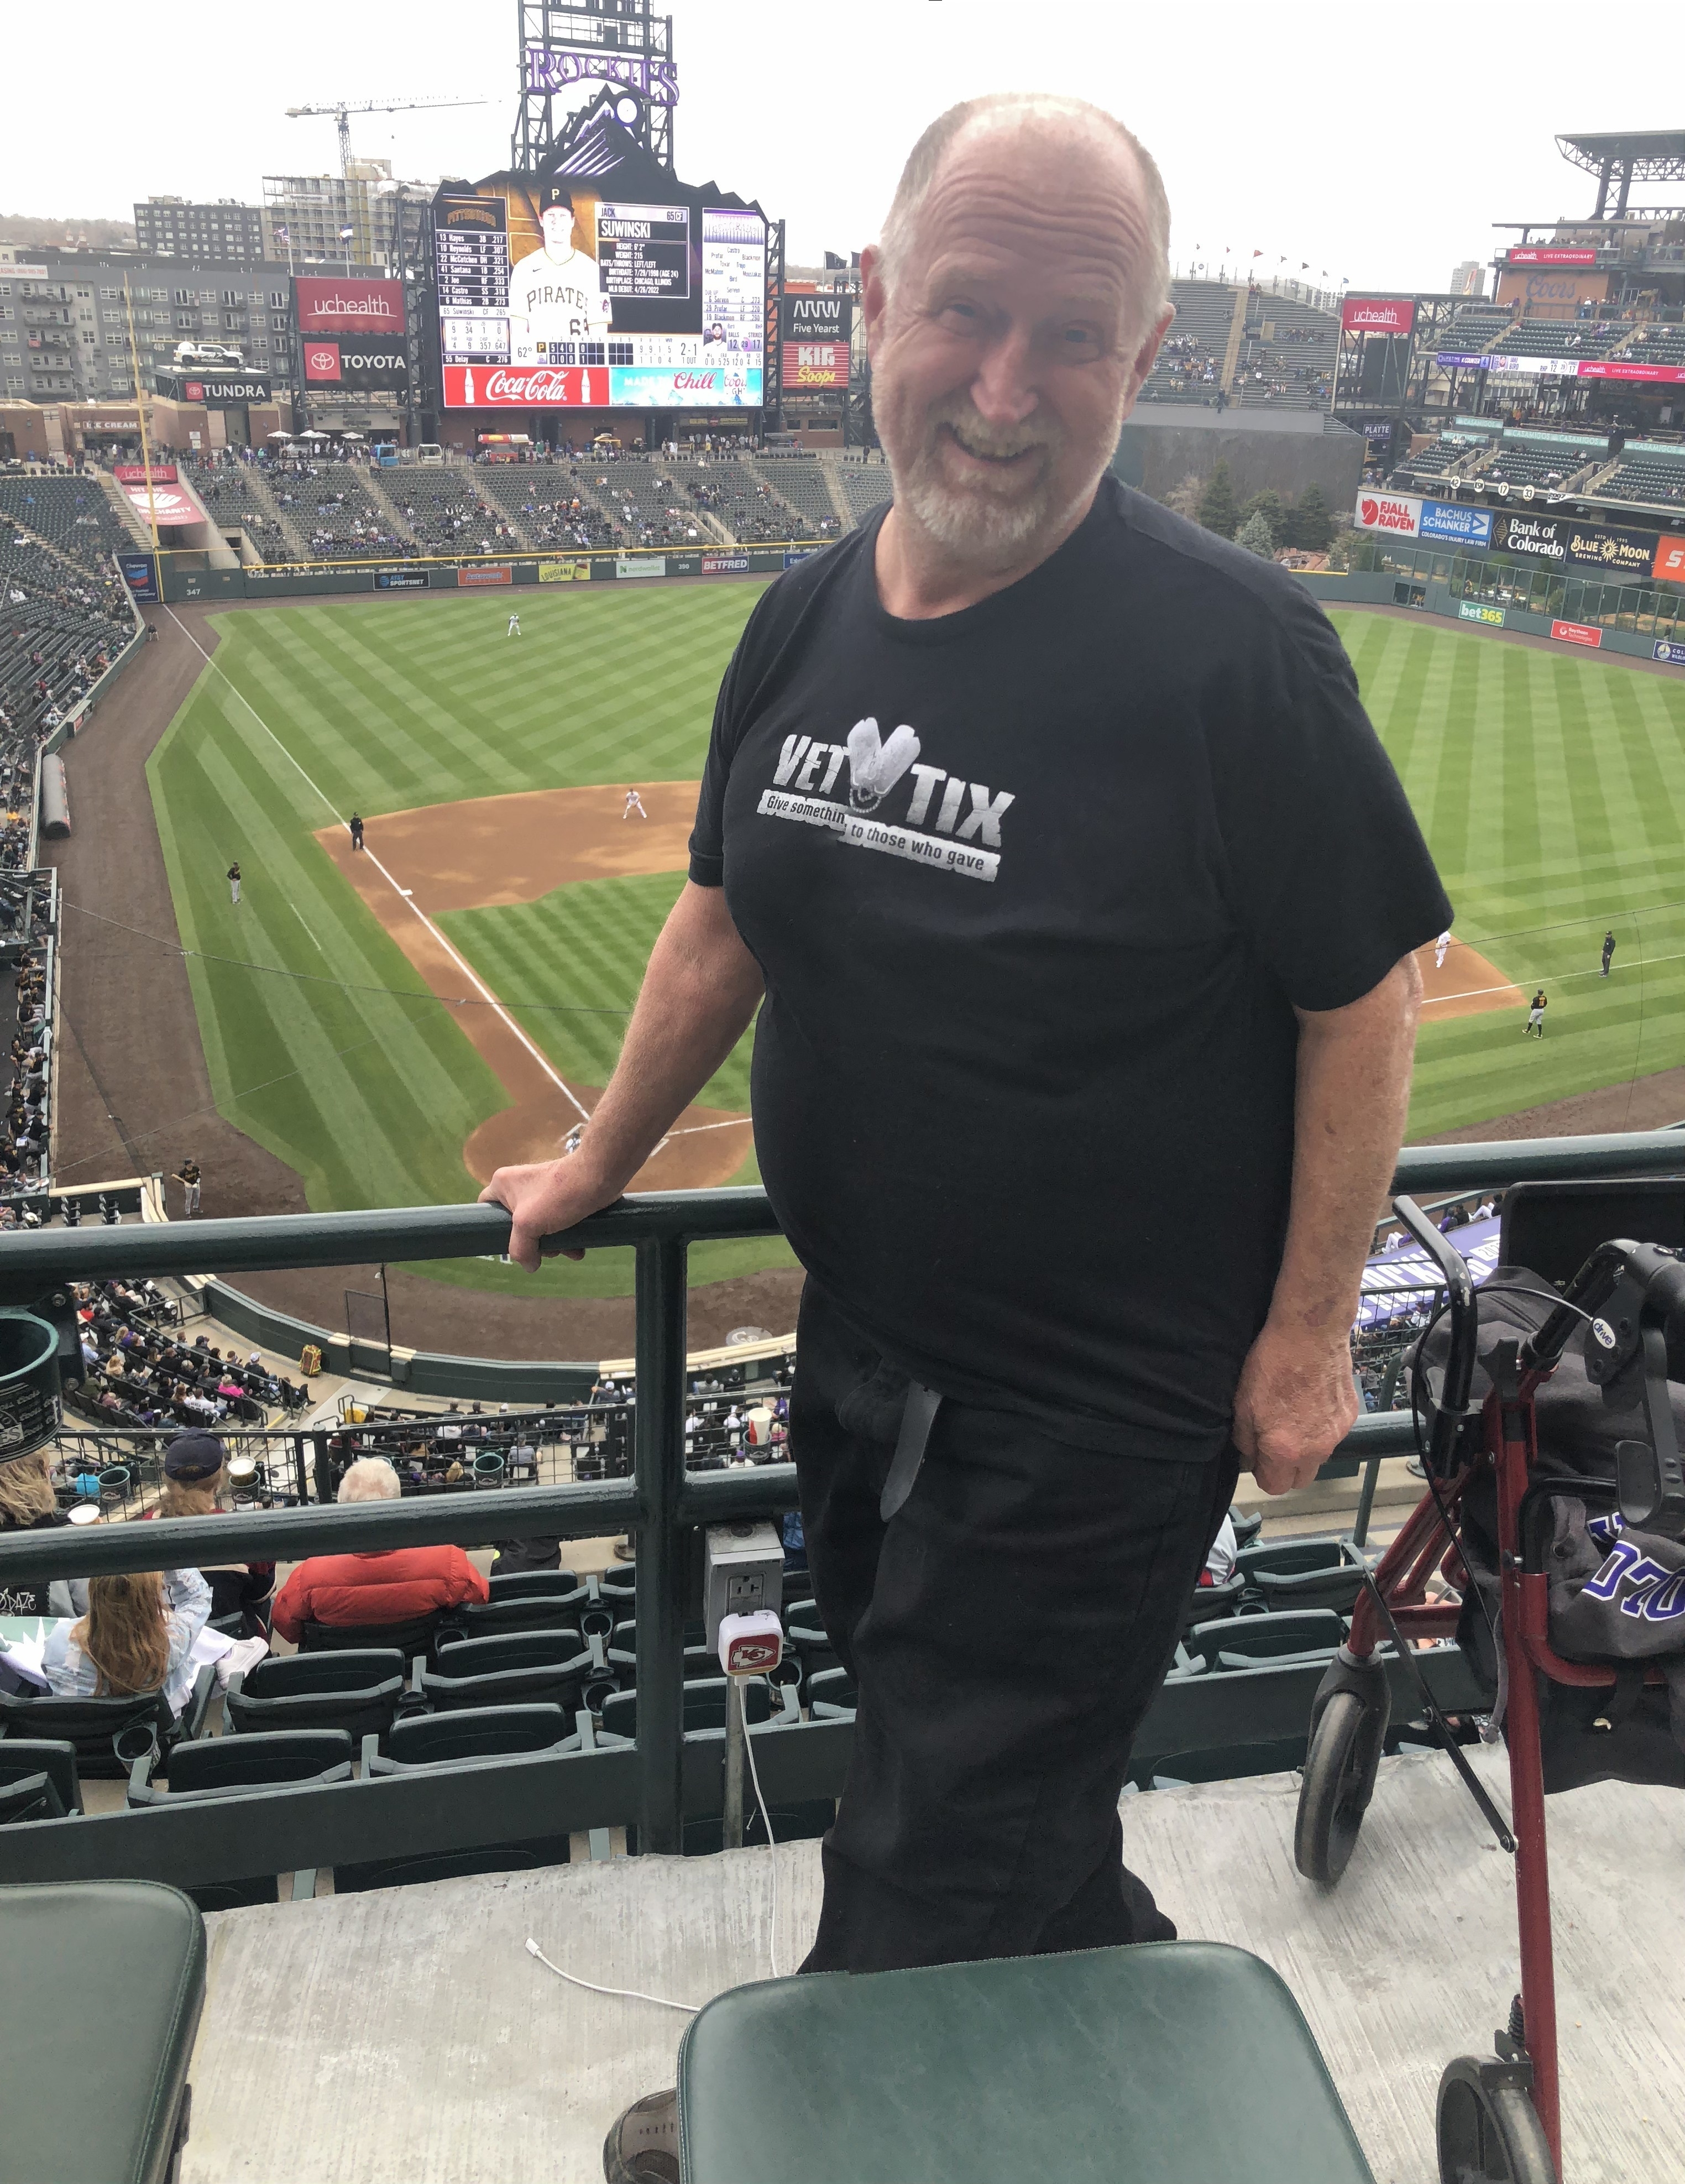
(744, 1572)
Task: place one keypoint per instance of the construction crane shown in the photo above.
(342, 111)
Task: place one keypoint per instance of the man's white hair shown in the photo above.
(1002, 109)
(371, 1478)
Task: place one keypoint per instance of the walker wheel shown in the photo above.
(1488, 2129)
(1338, 1782)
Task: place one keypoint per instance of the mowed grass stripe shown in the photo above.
(1552, 792)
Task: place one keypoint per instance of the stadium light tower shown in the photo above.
(342, 111)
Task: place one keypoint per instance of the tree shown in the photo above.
(1217, 509)
(1268, 505)
(1256, 536)
(1312, 525)
(1184, 499)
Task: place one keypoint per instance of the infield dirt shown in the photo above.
(496, 851)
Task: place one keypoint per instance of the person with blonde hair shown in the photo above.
(27, 1504)
(397, 1584)
(137, 1636)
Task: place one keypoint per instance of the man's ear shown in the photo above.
(874, 296)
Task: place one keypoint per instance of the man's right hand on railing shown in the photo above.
(543, 1199)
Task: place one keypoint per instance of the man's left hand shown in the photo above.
(1294, 1405)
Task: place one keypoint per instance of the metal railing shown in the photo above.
(668, 1773)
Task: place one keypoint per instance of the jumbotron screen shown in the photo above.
(552, 295)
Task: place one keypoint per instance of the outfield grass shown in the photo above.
(1550, 785)
(385, 706)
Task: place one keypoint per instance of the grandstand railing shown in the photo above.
(665, 1773)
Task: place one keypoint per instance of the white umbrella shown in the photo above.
(351, 435)
(278, 436)
(313, 435)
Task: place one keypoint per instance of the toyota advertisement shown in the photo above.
(357, 366)
(626, 289)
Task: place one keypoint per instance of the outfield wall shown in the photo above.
(1437, 595)
(499, 572)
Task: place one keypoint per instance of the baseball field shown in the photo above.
(393, 1024)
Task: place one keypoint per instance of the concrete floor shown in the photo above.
(406, 2038)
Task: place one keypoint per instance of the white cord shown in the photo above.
(766, 1819)
(636, 1994)
(621, 1993)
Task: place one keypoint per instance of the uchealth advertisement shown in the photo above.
(1399, 513)
(1378, 314)
(347, 306)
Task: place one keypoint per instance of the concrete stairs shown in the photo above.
(376, 486)
(259, 488)
(833, 486)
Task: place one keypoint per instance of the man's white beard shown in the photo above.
(980, 525)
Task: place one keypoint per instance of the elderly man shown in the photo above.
(1078, 898)
(398, 1584)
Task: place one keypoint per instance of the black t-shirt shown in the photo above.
(1036, 887)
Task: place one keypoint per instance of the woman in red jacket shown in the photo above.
(397, 1584)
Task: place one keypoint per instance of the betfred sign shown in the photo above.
(725, 565)
(1578, 633)
(1533, 257)
(1378, 314)
(1398, 513)
(334, 306)
(527, 387)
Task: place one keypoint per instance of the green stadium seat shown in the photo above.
(358, 1692)
(104, 1985)
(537, 1667)
(1077, 2067)
(41, 1759)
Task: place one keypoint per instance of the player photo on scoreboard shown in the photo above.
(556, 298)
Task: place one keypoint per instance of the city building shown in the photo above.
(226, 233)
(307, 217)
(64, 319)
(1469, 279)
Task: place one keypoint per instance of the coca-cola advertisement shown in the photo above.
(1378, 314)
(337, 305)
(527, 387)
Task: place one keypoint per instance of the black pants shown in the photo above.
(1008, 1630)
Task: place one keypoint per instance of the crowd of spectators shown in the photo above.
(139, 1372)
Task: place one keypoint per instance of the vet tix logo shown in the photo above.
(845, 786)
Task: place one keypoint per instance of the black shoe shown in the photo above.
(642, 2147)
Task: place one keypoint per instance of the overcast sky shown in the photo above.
(1273, 125)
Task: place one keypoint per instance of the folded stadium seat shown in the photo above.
(445, 1739)
(809, 1641)
(700, 1657)
(219, 1767)
(526, 1585)
(1247, 1526)
(108, 1734)
(1206, 1602)
(1223, 1763)
(535, 1611)
(1323, 1572)
(357, 1692)
(704, 1705)
(1253, 1641)
(542, 1666)
(1072, 2065)
(832, 1695)
(409, 1639)
(48, 1762)
(127, 1956)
